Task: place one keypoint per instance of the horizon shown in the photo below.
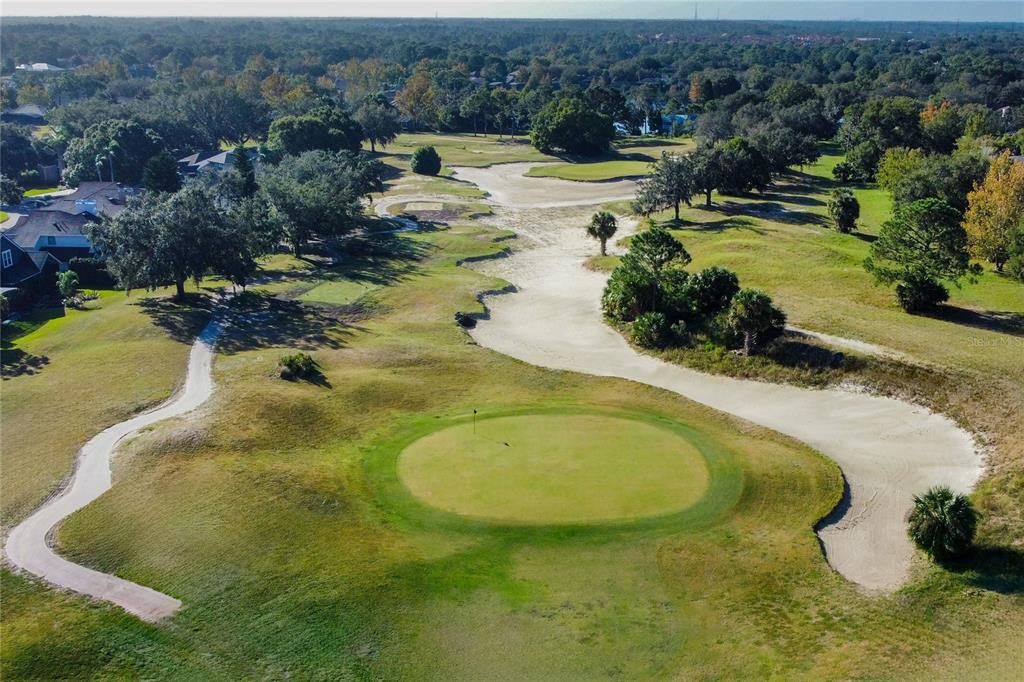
(860, 11)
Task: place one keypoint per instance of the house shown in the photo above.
(210, 161)
(26, 114)
(38, 67)
(25, 268)
(686, 121)
(97, 199)
(54, 232)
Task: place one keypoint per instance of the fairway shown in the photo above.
(555, 469)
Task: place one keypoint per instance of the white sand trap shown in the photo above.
(28, 545)
(424, 206)
(888, 449)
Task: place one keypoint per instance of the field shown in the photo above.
(307, 527)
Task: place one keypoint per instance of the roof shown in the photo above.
(96, 198)
(42, 223)
(38, 66)
(22, 267)
(27, 110)
(193, 163)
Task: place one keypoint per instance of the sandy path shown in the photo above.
(28, 545)
(887, 449)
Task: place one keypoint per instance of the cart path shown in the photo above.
(29, 543)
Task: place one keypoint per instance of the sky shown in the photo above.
(862, 10)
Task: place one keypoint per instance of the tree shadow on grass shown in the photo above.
(181, 319)
(997, 569)
(720, 225)
(258, 320)
(769, 210)
(378, 257)
(1004, 322)
(794, 195)
(15, 362)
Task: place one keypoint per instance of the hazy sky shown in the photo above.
(906, 10)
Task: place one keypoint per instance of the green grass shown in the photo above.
(276, 513)
(466, 149)
(591, 172)
(4, 216)
(554, 469)
(629, 158)
(39, 191)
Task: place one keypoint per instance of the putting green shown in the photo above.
(555, 469)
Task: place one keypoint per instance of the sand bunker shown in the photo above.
(888, 449)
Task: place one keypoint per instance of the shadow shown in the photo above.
(864, 237)
(767, 210)
(794, 197)
(15, 362)
(997, 569)
(720, 225)
(257, 320)
(1003, 322)
(378, 256)
(181, 319)
(792, 351)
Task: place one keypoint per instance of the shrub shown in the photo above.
(298, 366)
(651, 330)
(711, 291)
(92, 273)
(942, 523)
(844, 209)
(67, 284)
(918, 294)
(630, 291)
(426, 161)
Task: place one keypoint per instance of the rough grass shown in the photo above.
(467, 149)
(269, 515)
(39, 191)
(67, 374)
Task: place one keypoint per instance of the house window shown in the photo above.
(8, 259)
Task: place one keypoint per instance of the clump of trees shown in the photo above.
(425, 161)
(669, 306)
(922, 245)
(942, 523)
(569, 124)
(379, 121)
(329, 128)
(11, 192)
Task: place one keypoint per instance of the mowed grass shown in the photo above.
(629, 158)
(270, 515)
(67, 374)
(39, 191)
(465, 149)
(554, 469)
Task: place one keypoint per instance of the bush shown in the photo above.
(651, 330)
(92, 273)
(630, 292)
(298, 366)
(711, 290)
(919, 294)
(67, 284)
(426, 161)
(942, 523)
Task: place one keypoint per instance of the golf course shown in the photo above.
(532, 498)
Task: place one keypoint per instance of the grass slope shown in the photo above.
(629, 158)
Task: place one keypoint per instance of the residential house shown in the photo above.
(216, 162)
(26, 114)
(38, 67)
(98, 199)
(20, 268)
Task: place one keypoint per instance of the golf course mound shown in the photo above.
(551, 469)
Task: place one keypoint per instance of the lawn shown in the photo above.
(39, 191)
(631, 157)
(278, 514)
(465, 149)
(4, 216)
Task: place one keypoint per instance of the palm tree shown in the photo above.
(942, 523)
(602, 226)
(844, 209)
